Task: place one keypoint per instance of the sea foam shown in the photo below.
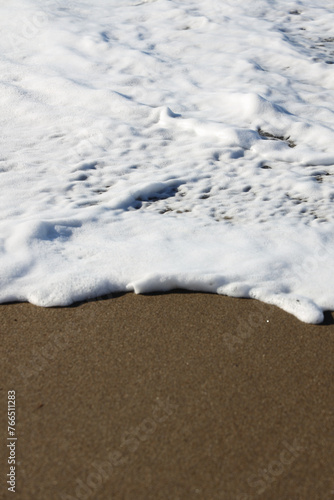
(154, 145)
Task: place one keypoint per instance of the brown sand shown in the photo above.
(176, 396)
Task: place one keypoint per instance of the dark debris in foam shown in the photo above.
(267, 135)
(160, 195)
(320, 178)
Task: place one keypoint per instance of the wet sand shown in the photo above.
(176, 396)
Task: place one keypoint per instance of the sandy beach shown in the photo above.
(149, 146)
(175, 396)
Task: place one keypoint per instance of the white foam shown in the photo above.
(165, 144)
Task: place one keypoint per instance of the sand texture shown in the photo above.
(173, 397)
